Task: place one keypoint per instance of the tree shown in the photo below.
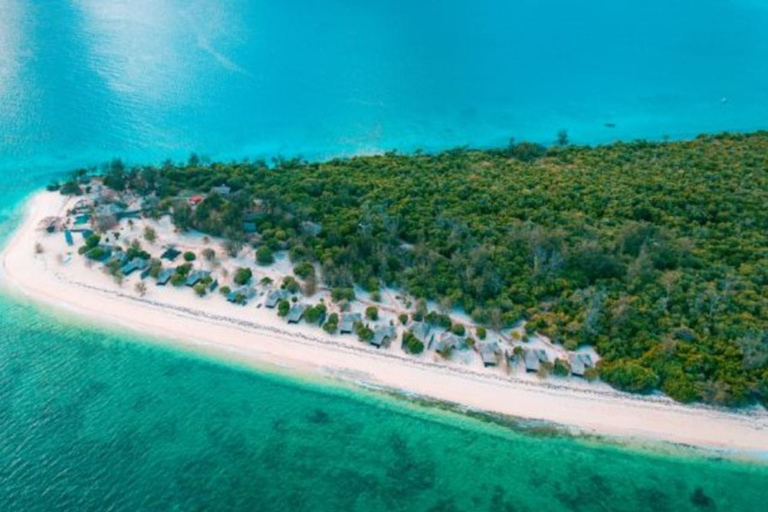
(403, 318)
(304, 270)
(481, 332)
(189, 256)
(150, 235)
(562, 138)
(283, 307)
(412, 344)
(332, 324)
(225, 290)
(628, 376)
(561, 368)
(141, 288)
(458, 329)
(264, 255)
(372, 313)
(242, 276)
(200, 289)
(290, 284)
(209, 254)
(182, 216)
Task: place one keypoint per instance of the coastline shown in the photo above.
(237, 334)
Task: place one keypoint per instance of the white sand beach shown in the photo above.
(258, 336)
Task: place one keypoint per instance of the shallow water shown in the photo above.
(85, 80)
(95, 421)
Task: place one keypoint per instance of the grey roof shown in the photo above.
(197, 276)
(165, 276)
(170, 254)
(246, 291)
(133, 265)
(577, 365)
(421, 330)
(531, 360)
(296, 312)
(382, 334)
(348, 321)
(587, 360)
(222, 190)
(275, 296)
(448, 340)
(118, 256)
(488, 352)
(541, 354)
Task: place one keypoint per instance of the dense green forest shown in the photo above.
(654, 253)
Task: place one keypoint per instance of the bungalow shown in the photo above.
(165, 276)
(348, 321)
(170, 254)
(580, 363)
(214, 284)
(195, 277)
(68, 237)
(382, 335)
(311, 228)
(86, 233)
(249, 227)
(422, 332)
(119, 257)
(577, 365)
(133, 265)
(531, 361)
(296, 313)
(448, 341)
(222, 190)
(145, 273)
(241, 295)
(489, 352)
(276, 296)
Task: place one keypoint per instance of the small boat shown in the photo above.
(610, 125)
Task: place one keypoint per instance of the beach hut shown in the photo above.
(448, 341)
(577, 365)
(165, 276)
(296, 313)
(382, 335)
(348, 321)
(118, 256)
(145, 273)
(489, 352)
(531, 361)
(68, 237)
(195, 277)
(133, 265)
(86, 233)
(222, 190)
(242, 295)
(214, 284)
(170, 254)
(275, 296)
(422, 331)
(311, 228)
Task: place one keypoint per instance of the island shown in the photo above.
(599, 288)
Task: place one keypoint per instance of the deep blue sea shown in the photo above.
(93, 420)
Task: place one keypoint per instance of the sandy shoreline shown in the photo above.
(258, 337)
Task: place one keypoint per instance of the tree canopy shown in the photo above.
(654, 253)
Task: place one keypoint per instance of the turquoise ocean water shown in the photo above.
(91, 420)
